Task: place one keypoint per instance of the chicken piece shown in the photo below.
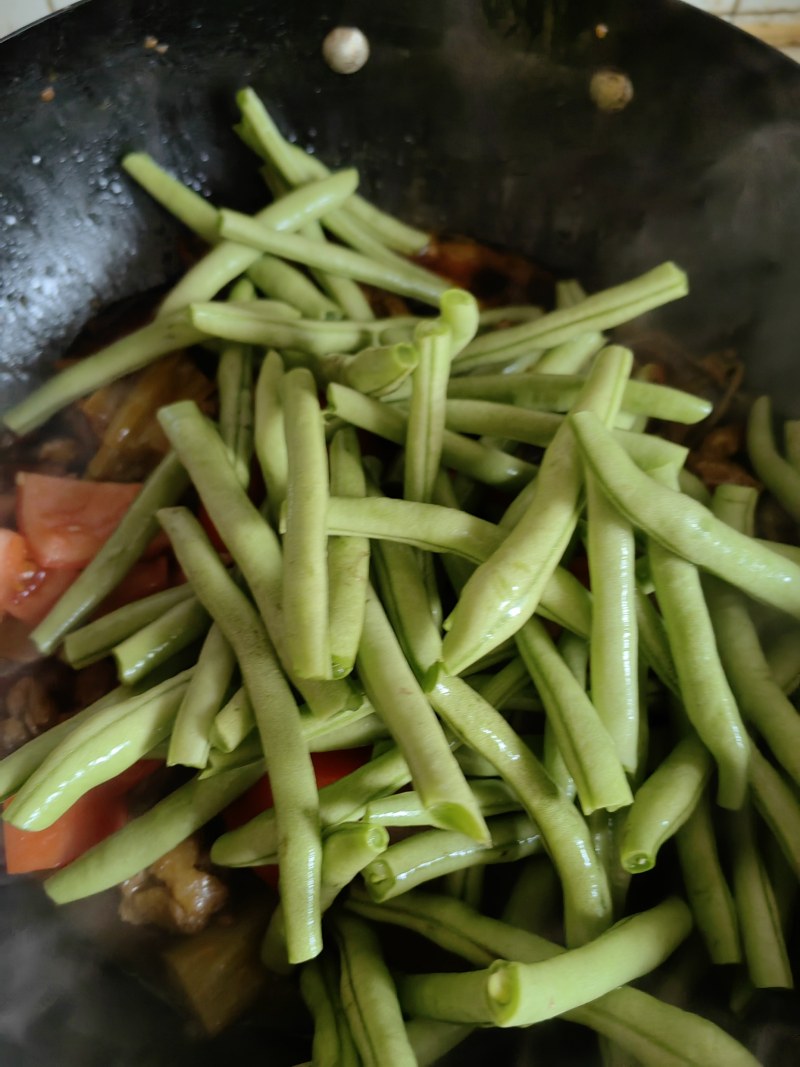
(175, 893)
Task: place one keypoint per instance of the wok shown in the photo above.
(471, 115)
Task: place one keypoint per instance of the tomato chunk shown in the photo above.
(27, 591)
(66, 521)
(15, 566)
(98, 814)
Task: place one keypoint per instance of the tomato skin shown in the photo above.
(66, 520)
(43, 589)
(329, 767)
(96, 815)
(15, 566)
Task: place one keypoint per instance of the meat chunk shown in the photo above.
(175, 893)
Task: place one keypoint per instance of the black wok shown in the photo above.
(472, 115)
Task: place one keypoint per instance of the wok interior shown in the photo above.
(472, 117)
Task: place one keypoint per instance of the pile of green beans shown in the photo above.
(408, 586)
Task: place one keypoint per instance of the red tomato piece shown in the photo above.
(98, 814)
(15, 566)
(66, 520)
(41, 591)
(329, 767)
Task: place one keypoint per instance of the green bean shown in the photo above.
(346, 851)
(768, 964)
(459, 309)
(587, 903)
(570, 357)
(426, 416)
(101, 747)
(520, 994)
(659, 1034)
(369, 997)
(487, 465)
(401, 277)
(348, 558)
(487, 417)
(16, 768)
(251, 541)
(406, 809)
(158, 641)
(778, 475)
(600, 311)
(380, 370)
(777, 804)
(96, 639)
(342, 801)
(233, 722)
(298, 167)
(250, 324)
(534, 901)
(228, 259)
(505, 590)
(439, 529)
(281, 281)
(569, 293)
(395, 694)
(346, 293)
(585, 743)
(653, 643)
(431, 1039)
(269, 435)
(684, 526)
(791, 440)
(497, 689)
(663, 803)
(433, 853)
(278, 721)
(706, 887)
(614, 648)
(405, 598)
(181, 201)
(148, 837)
(130, 353)
(235, 389)
(305, 543)
(319, 988)
(191, 735)
(558, 392)
(783, 658)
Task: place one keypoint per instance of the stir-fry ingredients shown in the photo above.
(433, 609)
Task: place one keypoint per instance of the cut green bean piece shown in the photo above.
(228, 259)
(431, 1039)
(190, 741)
(333, 1044)
(396, 695)
(401, 278)
(777, 804)
(685, 526)
(181, 201)
(586, 745)
(614, 643)
(663, 803)
(278, 721)
(281, 281)
(96, 639)
(768, 964)
(115, 558)
(269, 432)
(571, 357)
(233, 723)
(304, 593)
(342, 801)
(381, 370)
(433, 853)
(157, 642)
(267, 326)
(494, 797)
(587, 901)
(707, 890)
(148, 837)
(348, 558)
(507, 420)
(459, 309)
(235, 388)
(505, 590)
(488, 465)
(369, 997)
(520, 994)
(426, 415)
(778, 475)
(101, 747)
(251, 540)
(128, 354)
